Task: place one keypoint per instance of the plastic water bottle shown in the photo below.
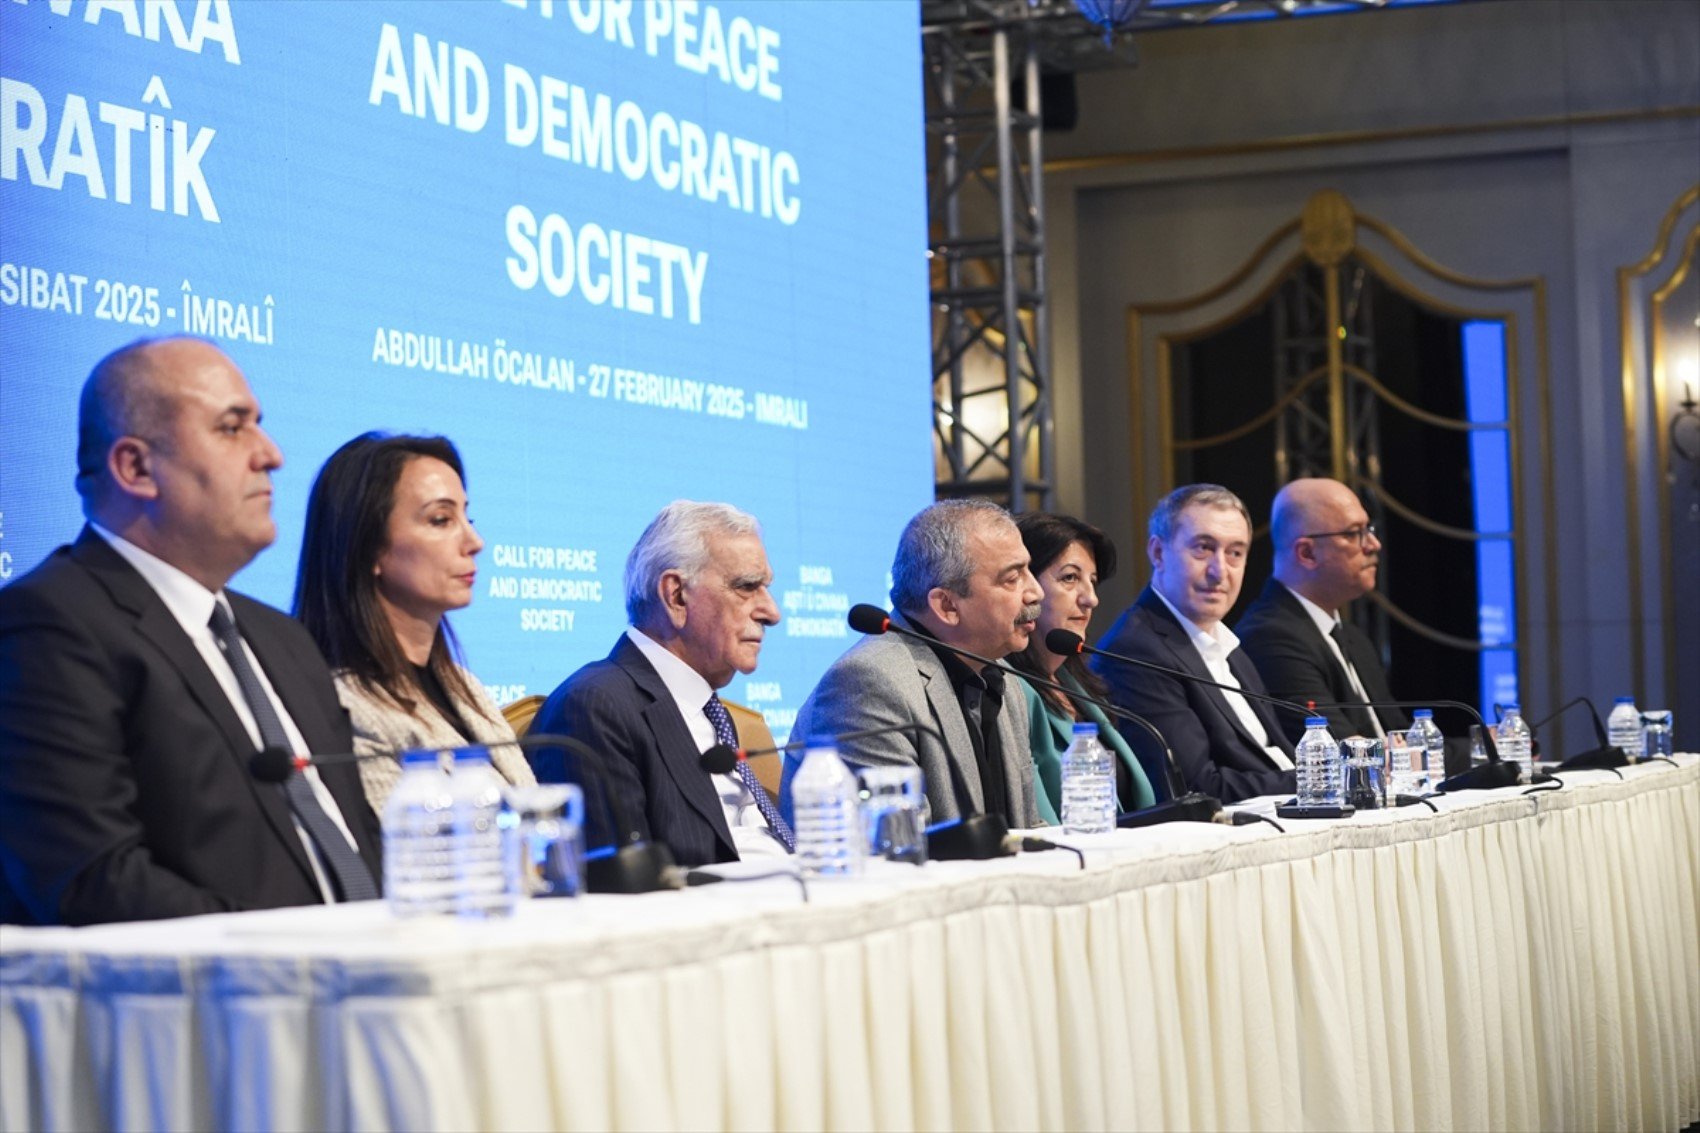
(1422, 721)
(1623, 727)
(1404, 749)
(1088, 784)
(484, 860)
(824, 813)
(419, 878)
(1321, 768)
(1513, 739)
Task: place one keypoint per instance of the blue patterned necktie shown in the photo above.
(349, 873)
(725, 733)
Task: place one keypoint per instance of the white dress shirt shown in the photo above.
(1325, 623)
(1214, 649)
(750, 833)
(192, 605)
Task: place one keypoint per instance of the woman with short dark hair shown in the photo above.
(1069, 558)
(389, 550)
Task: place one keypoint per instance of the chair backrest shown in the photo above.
(754, 735)
(521, 713)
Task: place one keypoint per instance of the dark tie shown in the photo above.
(353, 880)
(725, 733)
(1360, 717)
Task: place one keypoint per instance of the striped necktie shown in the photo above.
(725, 733)
(352, 879)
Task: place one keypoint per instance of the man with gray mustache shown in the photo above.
(960, 579)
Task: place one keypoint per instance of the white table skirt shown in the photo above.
(1195, 977)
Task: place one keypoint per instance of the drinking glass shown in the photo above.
(893, 812)
(1656, 734)
(551, 839)
(1366, 773)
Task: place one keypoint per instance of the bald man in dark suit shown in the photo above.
(126, 721)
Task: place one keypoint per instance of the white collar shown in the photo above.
(189, 602)
(689, 688)
(1324, 620)
(1209, 645)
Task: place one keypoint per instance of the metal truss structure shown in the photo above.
(983, 59)
(1328, 429)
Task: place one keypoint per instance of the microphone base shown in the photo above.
(1187, 808)
(1599, 759)
(973, 839)
(638, 867)
(1294, 810)
(1487, 777)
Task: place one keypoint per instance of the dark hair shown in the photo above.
(1046, 537)
(336, 591)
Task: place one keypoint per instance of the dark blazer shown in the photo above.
(622, 709)
(1293, 658)
(1216, 754)
(124, 785)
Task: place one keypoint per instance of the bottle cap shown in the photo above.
(1423, 714)
(1316, 721)
(422, 757)
(472, 755)
(821, 740)
(1626, 700)
(1085, 728)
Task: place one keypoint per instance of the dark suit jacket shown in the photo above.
(620, 707)
(1215, 753)
(1293, 658)
(124, 785)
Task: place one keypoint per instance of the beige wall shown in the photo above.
(1506, 140)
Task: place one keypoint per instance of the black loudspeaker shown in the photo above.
(1059, 104)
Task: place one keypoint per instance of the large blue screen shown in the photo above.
(620, 253)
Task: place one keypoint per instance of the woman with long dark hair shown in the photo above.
(1069, 558)
(388, 551)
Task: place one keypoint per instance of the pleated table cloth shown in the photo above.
(1511, 962)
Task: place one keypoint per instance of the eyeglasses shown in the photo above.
(1362, 535)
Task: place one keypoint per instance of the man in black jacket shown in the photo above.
(1326, 555)
(1227, 745)
(135, 689)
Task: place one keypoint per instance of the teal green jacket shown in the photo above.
(1051, 732)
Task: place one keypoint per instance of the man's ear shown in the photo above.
(671, 590)
(129, 462)
(1154, 551)
(944, 605)
(1304, 553)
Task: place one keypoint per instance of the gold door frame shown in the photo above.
(1641, 369)
(1329, 231)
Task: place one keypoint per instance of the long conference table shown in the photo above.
(1510, 961)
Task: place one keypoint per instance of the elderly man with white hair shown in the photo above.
(699, 605)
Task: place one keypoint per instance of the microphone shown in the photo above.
(1067, 644)
(721, 760)
(1183, 807)
(1490, 775)
(1604, 756)
(276, 764)
(1458, 704)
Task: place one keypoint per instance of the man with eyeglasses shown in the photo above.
(1226, 744)
(1326, 555)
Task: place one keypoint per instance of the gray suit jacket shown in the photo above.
(890, 680)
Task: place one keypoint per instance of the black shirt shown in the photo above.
(981, 697)
(440, 699)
